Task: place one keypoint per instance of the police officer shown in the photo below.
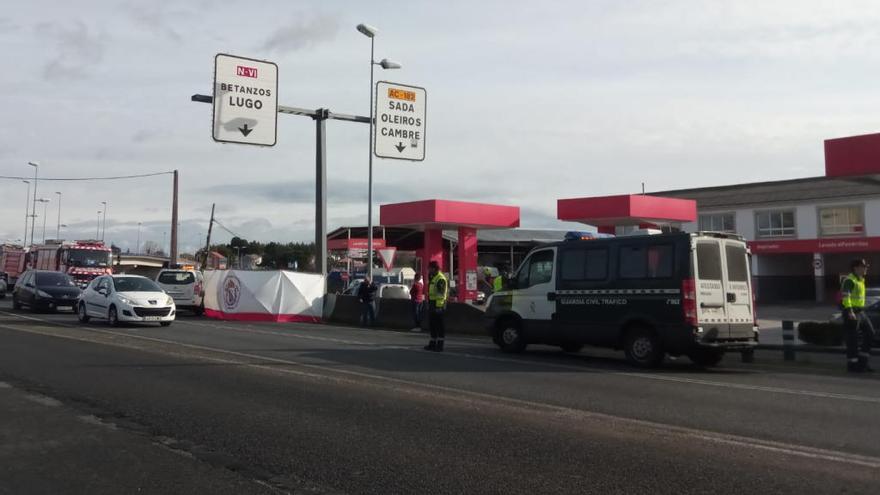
(858, 338)
(438, 292)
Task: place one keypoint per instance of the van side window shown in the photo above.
(585, 264)
(737, 268)
(708, 261)
(641, 262)
(538, 271)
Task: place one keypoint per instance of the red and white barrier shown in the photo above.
(263, 296)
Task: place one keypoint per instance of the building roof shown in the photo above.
(512, 236)
(778, 192)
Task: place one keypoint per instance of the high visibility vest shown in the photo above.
(497, 284)
(856, 297)
(437, 297)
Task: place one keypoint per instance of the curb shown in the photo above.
(808, 348)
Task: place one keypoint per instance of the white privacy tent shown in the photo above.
(263, 296)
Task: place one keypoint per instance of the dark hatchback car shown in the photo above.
(45, 290)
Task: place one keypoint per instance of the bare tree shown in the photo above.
(151, 247)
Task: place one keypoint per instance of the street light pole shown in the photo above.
(98, 228)
(27, 203)
(104, 227)
(45, 202)
(370, 32)
(138, 249)
(34, 209)
(58, 229)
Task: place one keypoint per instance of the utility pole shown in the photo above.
(172, 256)
(208, 242)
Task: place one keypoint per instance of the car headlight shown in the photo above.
(168, 300)
(124, 300)
(45, 294)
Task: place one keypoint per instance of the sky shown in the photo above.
(528, 102)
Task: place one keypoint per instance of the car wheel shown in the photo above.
(643, 348)
(706, 357)
(510, 336)
(113, 317)
(3, 294)
(81, 313)
(15, 303)
(572, 347)
(165, 323)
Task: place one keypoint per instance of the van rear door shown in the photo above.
(179, 285)
(709, 281)
(738, 292)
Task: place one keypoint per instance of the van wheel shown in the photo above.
(81, 314)
(572, 347)
(706, 357)
(643, 348)
(510, 336)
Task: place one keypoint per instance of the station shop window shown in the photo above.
(717, 222)
(841, 221)
(778, 223)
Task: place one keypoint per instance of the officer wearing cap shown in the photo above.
(858, 338)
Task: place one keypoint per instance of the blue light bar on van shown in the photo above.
(585, 236)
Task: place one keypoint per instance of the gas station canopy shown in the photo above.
(628, 209)
(444, 214)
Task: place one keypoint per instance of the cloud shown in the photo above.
(157, 18)
(7, 26)
(77, 50)
(301, 33)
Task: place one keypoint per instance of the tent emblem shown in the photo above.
(231, 292)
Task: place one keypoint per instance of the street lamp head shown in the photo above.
(34, 164)
(367, 30)
(44, 200)
(26, 181)
(389, 64)
(58, 193)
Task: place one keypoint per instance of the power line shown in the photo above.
(227, 230)
(118, 177)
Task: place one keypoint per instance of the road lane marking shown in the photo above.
(580, 368)
(480, 398)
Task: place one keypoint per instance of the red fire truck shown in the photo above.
(82, 260)
(11, 262)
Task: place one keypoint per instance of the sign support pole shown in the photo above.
(321, 194)
(320, 116)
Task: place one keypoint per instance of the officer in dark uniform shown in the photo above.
(858, 332)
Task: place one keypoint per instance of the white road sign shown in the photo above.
(245, 100)
(400, 121)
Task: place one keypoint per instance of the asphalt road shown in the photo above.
(325, 409)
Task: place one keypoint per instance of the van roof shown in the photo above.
(647, 238)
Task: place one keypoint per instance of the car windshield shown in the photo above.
(135, 284)
(88, 257)
(54, 279)
(176, 278)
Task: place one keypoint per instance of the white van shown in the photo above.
(650, 295)
(186, 287)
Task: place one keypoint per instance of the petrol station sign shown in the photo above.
(399, 132)
(245, 100)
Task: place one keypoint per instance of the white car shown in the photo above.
(125, 298)
(186, 287)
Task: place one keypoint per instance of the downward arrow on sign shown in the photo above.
(400, 147)
(244, 130)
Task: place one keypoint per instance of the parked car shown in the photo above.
(186, 287)
(45, 290)
(4, 284)
(872, 312)
(387, 291)
(125, 298)
(872, 295)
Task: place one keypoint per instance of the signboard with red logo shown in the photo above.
(830, 245)
(245, 100)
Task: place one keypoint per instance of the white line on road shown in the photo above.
(457, 394)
